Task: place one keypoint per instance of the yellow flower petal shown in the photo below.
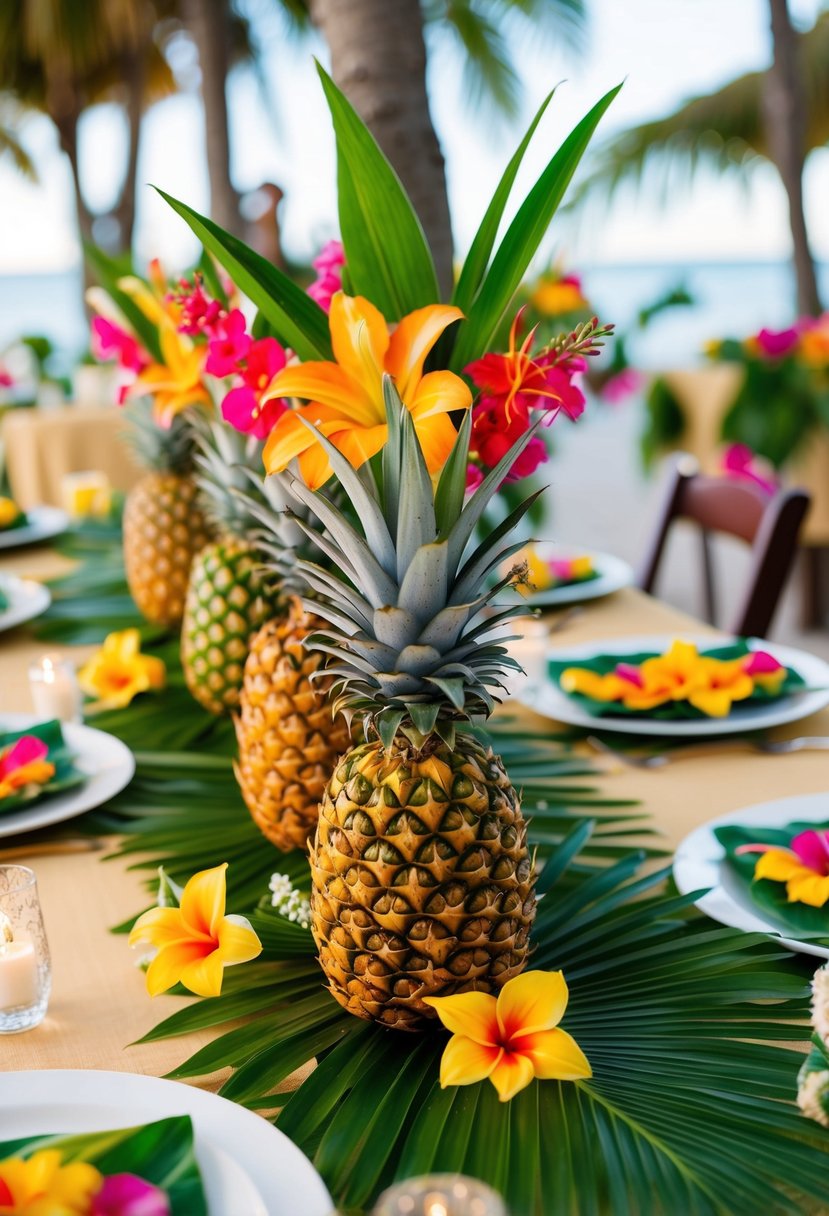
(204, 975)
(715, 702)
(555, 1056)
(172, 963)
(439, 393)
(411, 342)
(330, 386)
(532, 1001)
(159, 927)
(437, 436)
(238, 943)
(780, 865)
(511, 1074)
(471, 1014)
(203, 900)
(598, 687)
(808, 888)
(360, 339)
(464, 1062)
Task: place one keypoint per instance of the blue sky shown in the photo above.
(665, 49)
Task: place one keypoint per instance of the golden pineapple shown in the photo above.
(422, 882)
(164, 529)
(288, 740)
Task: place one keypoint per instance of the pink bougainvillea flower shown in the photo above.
(200, 313)
(129, 1195)
(510, 1039)
(804, 867)
(110, 341)
(243, 407)
(739, 461)
(24, 763)
(328, 264)
(775, 344)
(230, 345)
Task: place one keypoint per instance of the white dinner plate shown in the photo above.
(612, 575)
(248, 1166)
(545, 697)
(107, 762)
(700, 864)
(43, 523)
(27, 599)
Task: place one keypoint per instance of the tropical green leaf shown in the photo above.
(388, 258)
(297, 319)
(521, 241)
(108, 272)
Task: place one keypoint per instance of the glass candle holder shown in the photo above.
(440, 1195)
(55, 690)
(25, 970)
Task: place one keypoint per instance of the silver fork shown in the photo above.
(661, 759)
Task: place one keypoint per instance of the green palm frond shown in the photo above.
(12, 149)
(723, 130)
(689, 1109)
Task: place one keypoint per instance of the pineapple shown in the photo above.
(164, 527)
(229, 597)
(288, 743)
(422, 882)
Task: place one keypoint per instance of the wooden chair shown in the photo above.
(721, 504)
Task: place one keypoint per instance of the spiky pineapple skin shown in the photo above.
(228, 600)
(288, 741)
(422, 883)
(164, 529)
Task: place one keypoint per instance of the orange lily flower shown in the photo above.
(118, 671)
(346, 396)
(511, 1038)
(41, 1186)
(196, 941)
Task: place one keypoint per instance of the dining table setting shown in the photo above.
(360, 854)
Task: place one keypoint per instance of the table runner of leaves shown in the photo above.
(690, 1028)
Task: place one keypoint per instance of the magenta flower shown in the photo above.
(775, 344)
(624, 384)
(200, 314)
(129, 1195)
(110, 341)
(761, 663)
(242, 407)
(27, 750)
(230, 346)
(6, 378)
(739, 461)
(474, 477)
(328, 264)
(630, 673)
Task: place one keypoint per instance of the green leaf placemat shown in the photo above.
(604, 664)
(161, 1153)
(66, 775)
(769, 897)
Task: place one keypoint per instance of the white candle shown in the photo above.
(86, 494)
(19, 984)
(55, 690)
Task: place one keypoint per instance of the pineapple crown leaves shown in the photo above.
(410, 611)
(166, 449)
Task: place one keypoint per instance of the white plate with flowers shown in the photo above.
(564, 574)
(21, 599)
(42, 523)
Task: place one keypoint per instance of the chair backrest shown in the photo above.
(771, 526)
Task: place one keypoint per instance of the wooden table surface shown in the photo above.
(99, 1004)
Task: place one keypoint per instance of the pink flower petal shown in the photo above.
(129, 1195)
(25, 751)
(760, 663)
(812, 848)
(629, 673)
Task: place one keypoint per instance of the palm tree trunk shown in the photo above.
(786, 121)
(134, 74)
(207, 21)
(378, 59)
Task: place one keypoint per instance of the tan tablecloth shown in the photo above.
(705, 395)
(99, 1004)
(42, 445)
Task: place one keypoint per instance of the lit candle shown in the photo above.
(55, 690)
(19, 982)
(440, 1195)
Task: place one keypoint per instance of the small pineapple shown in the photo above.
(422, 882)
(288, 741)
(229, 597)
(164, 527)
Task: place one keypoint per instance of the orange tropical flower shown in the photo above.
(511, 1038)
(24, 763)
(119, 671)
(41, 1186)
(196, 941)
(346, 396)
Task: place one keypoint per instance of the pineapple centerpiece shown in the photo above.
(422, 879)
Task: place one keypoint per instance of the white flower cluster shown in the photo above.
(813, 1079)
(289, 902)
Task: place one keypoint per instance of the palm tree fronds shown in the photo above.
(11, 148)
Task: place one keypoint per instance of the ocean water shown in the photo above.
(730, 299)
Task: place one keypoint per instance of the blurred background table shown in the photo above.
(41, 445)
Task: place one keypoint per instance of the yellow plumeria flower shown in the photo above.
(346, 396)
(41, 1186)
(9, 511)
(196, 941)
(803, 867)
(119, 671)
(511, 1038)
